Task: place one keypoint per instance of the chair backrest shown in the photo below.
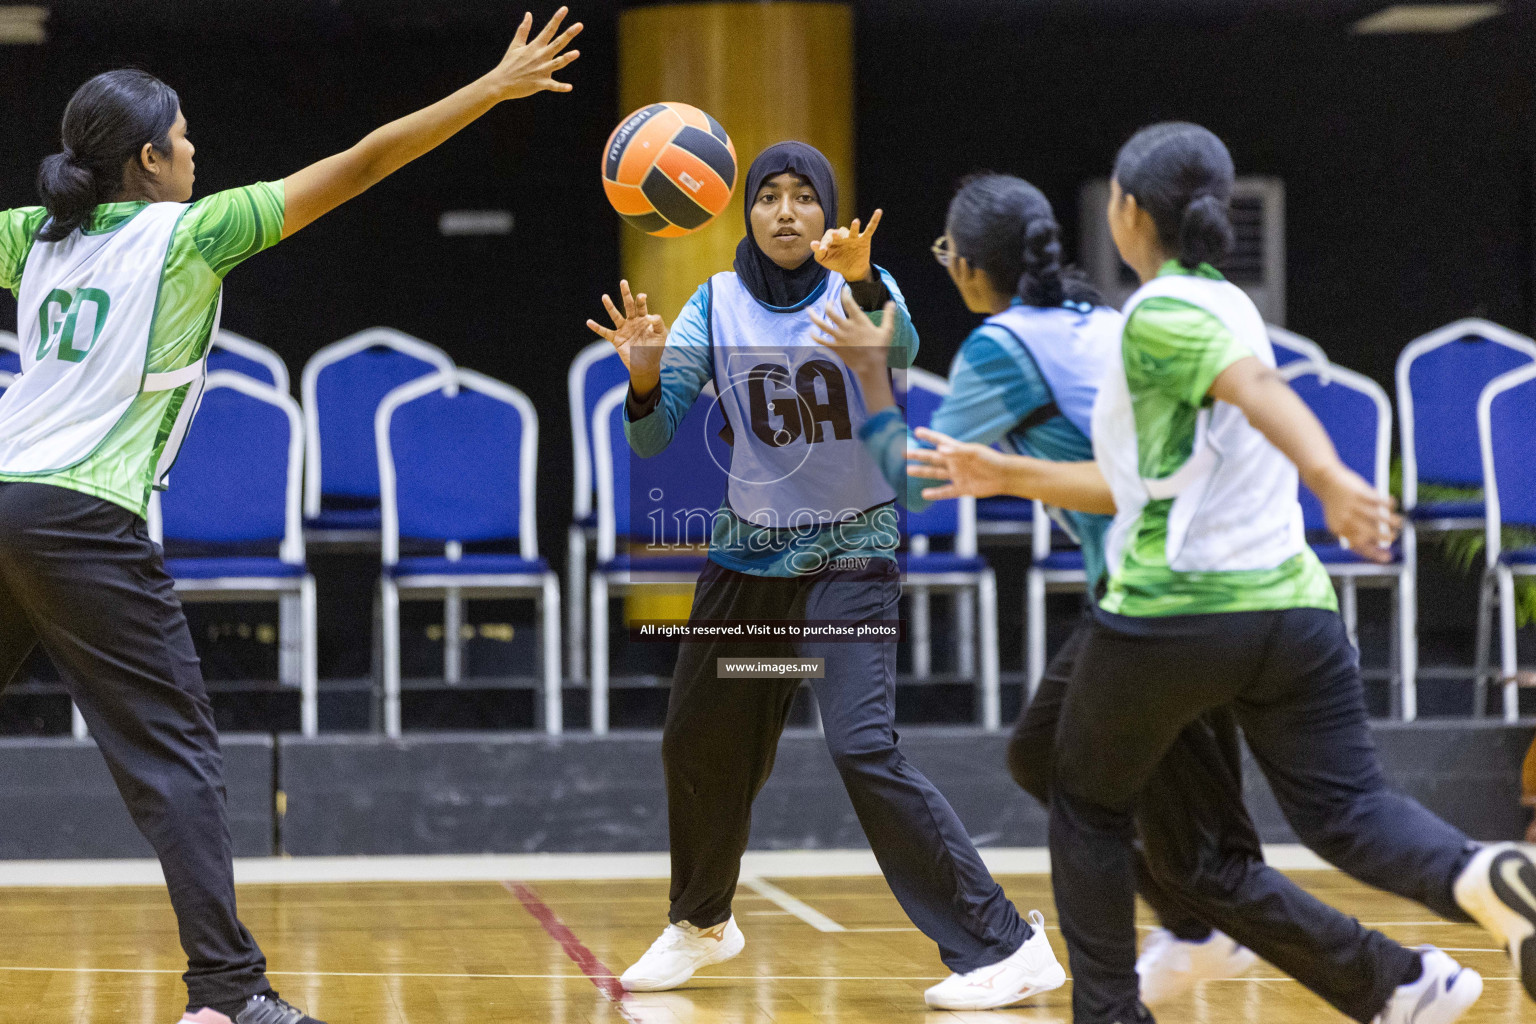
(238, 475)
(595, 370)
(954, 518)
(1439, 380)
(1357, 414)
(664, 501)
(1291, 347)
(1505, 412)
(231, 351)
(10, 353)
(342, 387)
(458, 461)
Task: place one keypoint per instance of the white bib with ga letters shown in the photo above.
(85, 310)
(794, 411)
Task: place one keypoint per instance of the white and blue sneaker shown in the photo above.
(1444, 992)
(1498, 889)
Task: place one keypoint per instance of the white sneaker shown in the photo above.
(681, 950)
(1444, 992)
(1028, 971)
(1170, 966)
(1498, 889)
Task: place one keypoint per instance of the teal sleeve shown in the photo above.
(994, 384)
(685, 368)
(18, 230)
(904, 342)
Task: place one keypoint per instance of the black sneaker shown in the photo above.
(272, 1009)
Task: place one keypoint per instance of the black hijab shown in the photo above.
(768, 282)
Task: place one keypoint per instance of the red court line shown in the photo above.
(599, 975)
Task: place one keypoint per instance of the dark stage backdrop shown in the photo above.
(1408, 161)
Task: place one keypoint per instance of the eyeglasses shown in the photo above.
(943, 251)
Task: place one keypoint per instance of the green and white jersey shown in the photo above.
(115, 322)
(1207, 518)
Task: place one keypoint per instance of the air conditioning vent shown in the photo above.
(1257, 262)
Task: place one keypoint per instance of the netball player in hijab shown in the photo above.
(118, 281)
(798, 459)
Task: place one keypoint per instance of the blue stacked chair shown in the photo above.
(239, 354)
(593, 373)
(458, 465)
(1440, 377)
(654, 516)
(10, 353)
(1291, 347)
(958, 570)
(1506, 413)
(342, 387)
(233, 504)
(1056, 563)
(1357, 414)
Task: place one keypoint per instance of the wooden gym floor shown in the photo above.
(818, 950)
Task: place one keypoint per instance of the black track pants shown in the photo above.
(80, 576)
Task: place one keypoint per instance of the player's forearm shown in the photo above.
(1079, 486)
(1277, 412)
(387, 149)
(644, 380)
(326, 184)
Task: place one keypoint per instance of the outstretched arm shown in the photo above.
(527, 68)
(980, 472)
(1355, 511)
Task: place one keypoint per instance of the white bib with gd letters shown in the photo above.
(85, 310)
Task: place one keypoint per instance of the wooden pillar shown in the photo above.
(768, 72)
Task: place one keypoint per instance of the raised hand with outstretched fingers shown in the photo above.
(846, 251)
(638, 336)
(527, 68)
(530, 64)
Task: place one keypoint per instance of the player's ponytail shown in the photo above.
(1005, 227)
(1182, 175)
(1040, 283)
(1205, 232)
(106, 125)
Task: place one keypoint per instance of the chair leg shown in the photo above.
(290, 640)
(597, 662)
(453, 637)
(1349, 608)
(554, 710)
(77, 726)
(922, 642)
(1408, 615)
(390, 615)
(1034, 632)
(991, 699)
(1508, 667)
(965, 634)
(1394, 649)
(309, 656)
(576, 601)
(1482, 669)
